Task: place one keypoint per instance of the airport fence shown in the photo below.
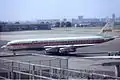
(29, 70)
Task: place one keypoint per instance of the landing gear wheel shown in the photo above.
(63, 52)
(45, 52)
(14, 54)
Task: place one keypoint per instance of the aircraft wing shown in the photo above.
(77, 46)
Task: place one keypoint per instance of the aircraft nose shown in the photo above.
(4, 46)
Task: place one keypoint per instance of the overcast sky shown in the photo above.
(12, 10)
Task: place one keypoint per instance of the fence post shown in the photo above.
(8, 74)
(67, 69)
(60, 70)
(33, 72)
(40, 68)
(117, 70)
(29, 70)
(19, 75)
(50, 72)
(8, 71)
(12, 74)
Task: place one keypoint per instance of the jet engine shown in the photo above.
(63, 50)
(52, 50)
(67, 49)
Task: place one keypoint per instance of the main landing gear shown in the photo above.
(14, 54)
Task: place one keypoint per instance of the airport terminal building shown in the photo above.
(4, 27)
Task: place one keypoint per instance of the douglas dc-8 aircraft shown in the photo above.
(57, 45)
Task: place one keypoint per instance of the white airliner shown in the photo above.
(57, 45)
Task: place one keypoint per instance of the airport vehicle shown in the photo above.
(57, 45)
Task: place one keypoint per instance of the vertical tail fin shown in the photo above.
(108, 30)
(108, 27)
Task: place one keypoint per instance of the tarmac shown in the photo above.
(74, 59)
